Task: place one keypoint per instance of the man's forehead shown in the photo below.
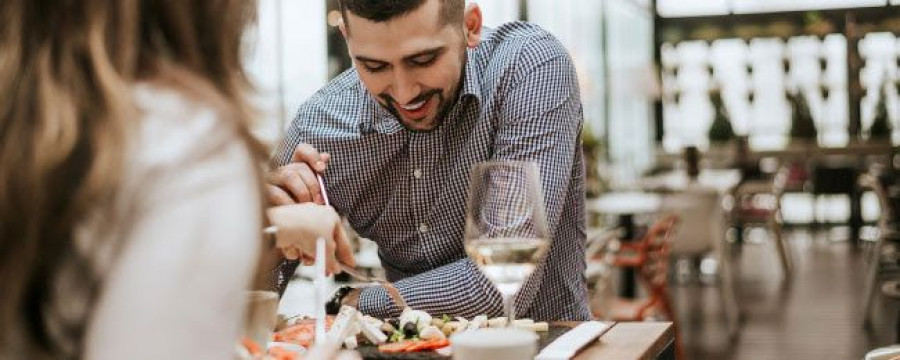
(427, 16)
(394, 40)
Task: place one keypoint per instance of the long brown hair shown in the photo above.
(66, 69)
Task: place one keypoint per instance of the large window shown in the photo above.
(881, 52)
(753, 82)
(754, 62)
(630, 86)
(287, 61)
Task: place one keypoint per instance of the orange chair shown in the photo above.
(650, 257)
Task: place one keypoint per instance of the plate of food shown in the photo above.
(414, 334)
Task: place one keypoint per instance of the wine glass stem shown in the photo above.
(509, 308)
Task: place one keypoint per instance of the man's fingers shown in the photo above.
(326, 158)
(343, 250)
(311, 183)
(277, 196)
(291, 253)
(307, 260)
(306, 153)
(292, 179)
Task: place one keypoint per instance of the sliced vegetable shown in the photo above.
(251, 346)
(478, 322)
(280, 353)
(497, 322)
(428, 345)
(396, 347)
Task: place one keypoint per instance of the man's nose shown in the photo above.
(405, 87)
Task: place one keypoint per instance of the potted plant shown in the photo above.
(720, 133)
(880, 130)
(803, 128)
(593, 151)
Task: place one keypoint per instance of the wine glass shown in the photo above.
(506, 229)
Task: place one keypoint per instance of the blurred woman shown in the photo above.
(130, 196)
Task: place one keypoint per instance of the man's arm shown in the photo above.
(457, 289)
(540, 121)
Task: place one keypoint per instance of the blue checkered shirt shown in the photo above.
(406, 191)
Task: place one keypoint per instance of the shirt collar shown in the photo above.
(375, 118)
(472, 78)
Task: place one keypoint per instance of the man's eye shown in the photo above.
(423, 60)
(374, 67)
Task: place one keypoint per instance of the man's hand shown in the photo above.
(296, 182)
(300, 225)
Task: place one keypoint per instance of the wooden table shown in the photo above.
(633, 341)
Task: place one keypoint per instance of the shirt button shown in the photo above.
(417, 173)
(423, 228)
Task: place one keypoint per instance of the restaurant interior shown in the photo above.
(769, 129)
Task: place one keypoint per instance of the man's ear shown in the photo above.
(335, 19)
(472, 23)
(343, 28)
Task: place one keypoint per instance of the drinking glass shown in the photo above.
(506, 229)
(261, 317)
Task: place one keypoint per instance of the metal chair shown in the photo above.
(747, 211)
(650, 257)
(702, 232)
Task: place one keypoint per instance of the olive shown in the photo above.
(410, 329)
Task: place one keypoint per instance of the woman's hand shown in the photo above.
(299, 226)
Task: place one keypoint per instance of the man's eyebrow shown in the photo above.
(366, 59)
(433, 51)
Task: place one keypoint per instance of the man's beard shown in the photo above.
(444, 106)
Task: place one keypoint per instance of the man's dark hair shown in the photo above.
(384, 10)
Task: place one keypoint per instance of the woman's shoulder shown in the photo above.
(166, 112)
(173, 127)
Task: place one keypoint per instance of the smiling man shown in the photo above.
(432, 93)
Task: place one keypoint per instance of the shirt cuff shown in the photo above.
(375, 302)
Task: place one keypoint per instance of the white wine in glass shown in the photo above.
(506, 229)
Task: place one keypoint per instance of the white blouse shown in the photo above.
(188, 222)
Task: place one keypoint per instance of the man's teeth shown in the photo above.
(415, 106)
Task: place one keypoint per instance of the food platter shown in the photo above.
(413, 335)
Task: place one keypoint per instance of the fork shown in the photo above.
(359, 275)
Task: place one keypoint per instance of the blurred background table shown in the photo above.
(625, 205)
(721, 180)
